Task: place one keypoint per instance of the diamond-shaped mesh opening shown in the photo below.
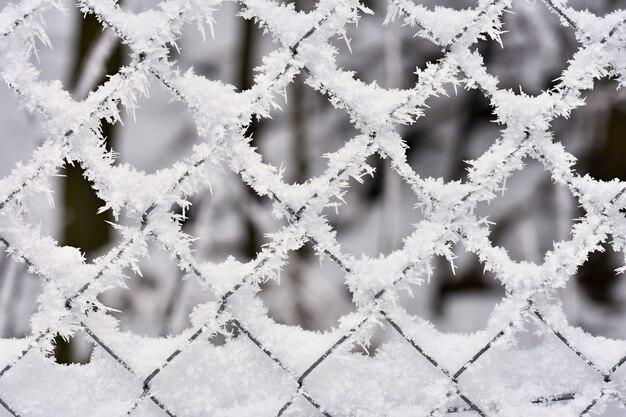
(595, 298)
(160, 120)
(50, 59)
(296, 137)
(311, 292)
(82, 224)
(96, 55)
(230, 220)
(535, 49)
(376, 212)
(482, 135)
(591, 132)
(230, 52)
(456, 299)
(389, 55)
(80, 55)
(594, 133)
(531, 213)
(159, 297)
(457, 127)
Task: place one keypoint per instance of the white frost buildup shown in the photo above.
(528, 361)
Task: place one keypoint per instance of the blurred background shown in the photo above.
(531, 215)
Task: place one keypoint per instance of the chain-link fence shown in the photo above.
(234, 360)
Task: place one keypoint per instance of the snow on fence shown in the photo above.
(267, 369)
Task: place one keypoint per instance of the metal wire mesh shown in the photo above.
(73, 129)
